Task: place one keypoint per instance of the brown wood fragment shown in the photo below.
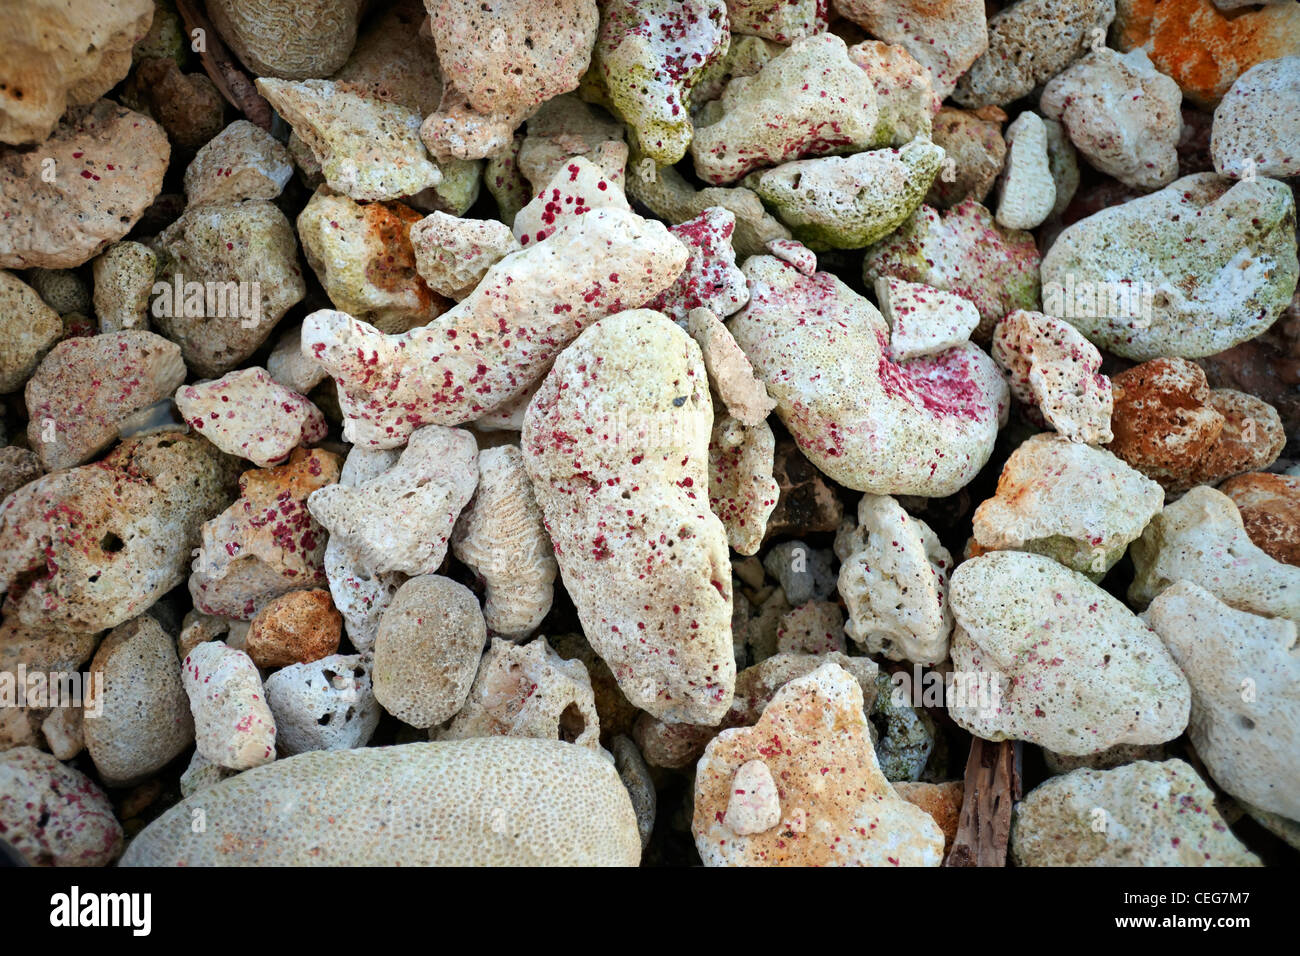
(992, 785)
(221, 67)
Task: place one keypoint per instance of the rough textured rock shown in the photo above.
(963, 251)
(905, 96)
(563, 129)
(1076, 671)
(87, 387)
(1270, 512)
(1052, 368)
(107, 164)
(248, 414)
(812, 100)
(1121, 113)
(38, 649)
(634, 773)
(63, 731)
(326, 704)
(245, 251)
(145, 719)
(1027, 191)
(1030, 42)
(1257, 126)
(61, 290)
(420, 497)
(1217, 259)
(1200, 46)
(547, 803)
(18, 466)
(499, 63)
(920, 427)
(976, 150)
(648, 55)
(894, 582)
(624, 494)
(578, 188)
(124, 276)
(187, 105)
(730, 372)
(364, 258)
(501, 536)
(1077, 504)
(779, 20)
(813, 723)
(427, 650)
(942, 801)
(266, 543)
(202, 773)
(745, 56)
(453, 255)
(294, 628)
(1243, 670)
(28, 330)
(945, 37)
(742, 491)
(57, 55)
(545, 294)
(807, 502)
(527, 691)
(91, 547)
(804, 572)
(923, 320)
(294, 39)
(710, 279)
(816, 627)
(54, 815)
(1200, 538)
(1170, 426)
(243, 161)
(1141, 814)
(288, 366)
(850, 202)
(233, 726)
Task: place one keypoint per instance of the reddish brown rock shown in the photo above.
(1267, 367)
(1172, 427)
(295, 628)
(941, 800)
(1270, 510)
(188, 105)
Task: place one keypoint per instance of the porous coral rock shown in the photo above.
(811, 724)
(812, 100)
(54, 815)
(91, 547)
(894, 582)
(28, 330)
(782, 21)
(945, 37)
(243, 161)
(1063, 160)
(267, 542)
(287, 365)
(85, 188)
(1141, 814)
(577, 188)
(61, 290)
(18, 466)
(326, 704)
(816, 627)
(202, 773)
(730, 372)
(1243, 670)
(564, 128)
(920, 427)
(1270, 512)
(963, 250)
(248, 414)
(187, 105)
(745, 56)
(59, 54)
(1075, 670)
(1214, 261)
(233, 726)
(142, 719)
(594, 265)
(1027, 191)
(233, 272)
(294, 39)
(527, 691)
(742, 491)
(453, 255)
(499, 62)
(850, 202)
(1029, 42)
(420, 497)
(489, 801)
(1200, 538)
(363, 256)
(1054, 370)
(1121, 113)
(506, 182)
(1257, 125)
(710, 279)
(923, 320)
(124, 275)
(501, 536)
(427, 650)
(943, 801)
(974, 154)
(294, 628)
(649, 54)
(625, 501)
(1077, 504)
(905, 96)
(38, 649)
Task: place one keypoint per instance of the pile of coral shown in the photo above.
(664, 431)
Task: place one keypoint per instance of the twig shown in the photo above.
(992, 785)
(220, 65)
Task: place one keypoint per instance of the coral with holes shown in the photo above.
(325, 704)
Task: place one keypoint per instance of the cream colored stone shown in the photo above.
(233, 726)
(923, 320)
(1027, 191)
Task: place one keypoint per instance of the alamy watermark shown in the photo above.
(41, 689)
(212, 300)
(966, 690)
(1127, 301)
